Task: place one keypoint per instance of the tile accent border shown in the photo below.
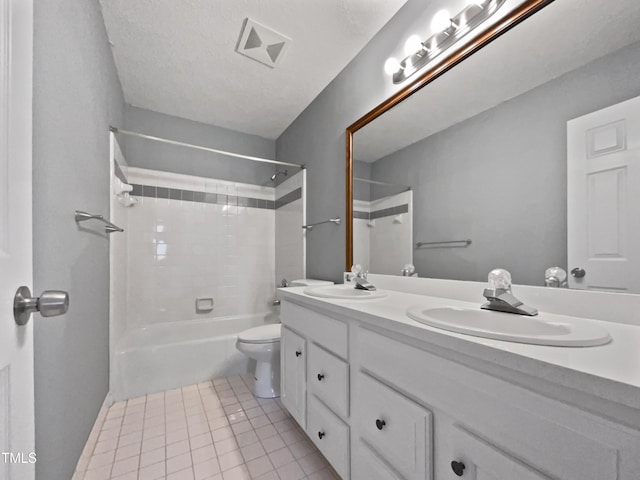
(289, 197)
(385, 212)
(217, 198)
(200, 197)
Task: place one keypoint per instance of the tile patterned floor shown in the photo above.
(215, 430)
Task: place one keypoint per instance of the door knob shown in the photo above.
(49, 304)
(578, 272)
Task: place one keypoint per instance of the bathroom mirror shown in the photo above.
(525, 156)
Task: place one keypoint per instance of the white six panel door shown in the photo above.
(603, 197)
(16, 343)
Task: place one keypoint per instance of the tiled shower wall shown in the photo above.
(192, 237)
(290, 237)
(383, 233)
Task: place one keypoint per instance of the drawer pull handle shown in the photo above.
(458, 468)
(298, 353)
(380, 424)
(320, 435)
(320, 377)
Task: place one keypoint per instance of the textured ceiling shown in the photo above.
(560, 38)
(178, 56)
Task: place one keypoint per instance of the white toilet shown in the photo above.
(262, 344)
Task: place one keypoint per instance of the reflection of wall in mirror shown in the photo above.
(500, 177)
(383, 233)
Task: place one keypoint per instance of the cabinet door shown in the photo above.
(369, 466)
(477, 459)
(293, 388)
(399, 430)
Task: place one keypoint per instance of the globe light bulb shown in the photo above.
(412, 45)
(440, 21)
(392, 66)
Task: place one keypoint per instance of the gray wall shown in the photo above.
(500, 177)
(317, 136)
(77, 95)
(170, 158)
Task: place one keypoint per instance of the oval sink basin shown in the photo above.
(544, 329)
(344, 292)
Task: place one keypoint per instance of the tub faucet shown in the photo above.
(360, 279)
(500, 298)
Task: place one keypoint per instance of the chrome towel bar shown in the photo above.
(445, 244)
(336, 220)
(109, 227)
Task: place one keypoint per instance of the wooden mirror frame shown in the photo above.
(521, 13)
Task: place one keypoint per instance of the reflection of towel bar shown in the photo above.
(331, 220)
(108, 228)
(445, 244)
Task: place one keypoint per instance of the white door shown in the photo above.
(16, 342)
(603, 195)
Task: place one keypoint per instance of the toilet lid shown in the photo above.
(263, 334)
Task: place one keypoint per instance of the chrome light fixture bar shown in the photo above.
(464, 22)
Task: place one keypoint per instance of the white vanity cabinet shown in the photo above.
(316, 390)
(385, 406)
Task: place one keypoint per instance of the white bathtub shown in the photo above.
(171, 355)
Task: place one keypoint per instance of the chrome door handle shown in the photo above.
(49, 304)
(578, 272)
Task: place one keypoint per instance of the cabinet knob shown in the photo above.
(380, 424)
(458, 468)
(320, 376)
(320, 435)
(298, 353)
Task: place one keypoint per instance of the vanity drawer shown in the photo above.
(399, 430)
(332, 334)
(330, 435)
(328, 379)
(367, 465)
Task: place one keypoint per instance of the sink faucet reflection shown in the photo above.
(500, 298)
(360, 279)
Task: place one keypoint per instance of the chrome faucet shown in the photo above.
(500, 298)
(555, 277)
(408, 270)
(360, 279)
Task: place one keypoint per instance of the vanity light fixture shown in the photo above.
(447, 31)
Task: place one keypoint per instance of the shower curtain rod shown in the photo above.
(375, 182)
(198, 147)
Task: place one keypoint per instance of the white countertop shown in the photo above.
(610, 371)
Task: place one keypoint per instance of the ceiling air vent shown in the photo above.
(261, 43)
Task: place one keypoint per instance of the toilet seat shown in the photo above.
(263, 334)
